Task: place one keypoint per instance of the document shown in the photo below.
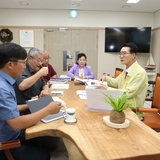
(82, 94)
(95, 99)
(60, 86)
(84, 81)
(66, 77)
(58, 80)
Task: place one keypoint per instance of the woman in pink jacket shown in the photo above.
(81, 69)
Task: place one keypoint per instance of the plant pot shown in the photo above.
(117, 117)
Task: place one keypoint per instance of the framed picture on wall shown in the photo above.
(27, 38)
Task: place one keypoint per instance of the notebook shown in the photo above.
(96, 102)
(39, 103)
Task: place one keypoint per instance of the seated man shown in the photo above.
(51, 72)
(31, 84)
(12, 125)
(133, 80)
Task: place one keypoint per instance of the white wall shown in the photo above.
(39, 19)
(156, 19)
(13, 17)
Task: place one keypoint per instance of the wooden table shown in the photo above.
(91, 139)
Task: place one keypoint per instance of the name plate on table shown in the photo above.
(96, 101)
(60, 86)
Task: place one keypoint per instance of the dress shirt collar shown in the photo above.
(128, 69)
(7, 77)
(30, 69)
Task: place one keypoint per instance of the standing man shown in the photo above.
(12, 125)
(51, 72)
(32, 84)
(133, 80)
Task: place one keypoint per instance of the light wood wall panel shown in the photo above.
(72, 40)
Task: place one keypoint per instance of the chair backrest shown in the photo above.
(118, 71)
(156, 93)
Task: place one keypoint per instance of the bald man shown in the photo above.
(51, 72)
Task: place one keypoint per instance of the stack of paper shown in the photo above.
(66, 77)
(58, 80)
(60, 86)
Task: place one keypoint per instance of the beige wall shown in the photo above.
(38, 36)
(53, 18)
(39, 19)
(111, 60)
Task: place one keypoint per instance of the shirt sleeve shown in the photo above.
(8, 105)
(71, 72)
(52, 71)
(90, 74)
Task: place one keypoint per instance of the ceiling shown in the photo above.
(149, 6)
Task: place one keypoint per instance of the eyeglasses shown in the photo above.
(24, 62)
(37, 60)
(46, 59)
(123, 53)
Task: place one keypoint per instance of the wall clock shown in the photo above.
(6, 35)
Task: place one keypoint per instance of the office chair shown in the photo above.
(152, 115)
(150, 91)
(118, 71)
(5, 146)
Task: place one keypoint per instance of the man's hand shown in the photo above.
(102, 86)
(102, 78)
(44, 93)
(53, 107)
(43, 71)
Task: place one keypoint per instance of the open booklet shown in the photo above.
(79, 80)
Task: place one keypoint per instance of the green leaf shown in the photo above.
(118, 104)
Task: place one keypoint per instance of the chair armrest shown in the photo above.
(10, 144)
(151, 110)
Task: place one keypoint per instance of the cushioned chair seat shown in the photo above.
(151, 115)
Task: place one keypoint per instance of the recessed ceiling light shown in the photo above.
(75, 4)
(24, 3)
(126, 6)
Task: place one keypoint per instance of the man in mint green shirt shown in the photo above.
(133, 80)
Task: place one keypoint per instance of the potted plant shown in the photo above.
(119, 105)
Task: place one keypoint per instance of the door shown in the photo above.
(72, 41)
